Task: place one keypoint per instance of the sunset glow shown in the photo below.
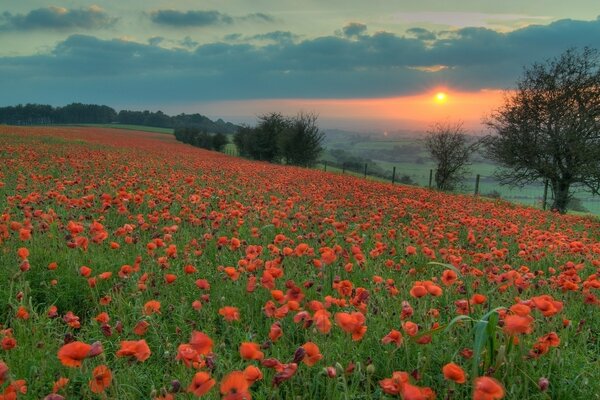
(441, 97)
(414, 112)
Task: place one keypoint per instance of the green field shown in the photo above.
(417, 165)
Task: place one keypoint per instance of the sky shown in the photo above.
(363, 66)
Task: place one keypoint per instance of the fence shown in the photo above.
(478, 184)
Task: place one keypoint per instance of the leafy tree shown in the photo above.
(301, 141)
(549, 127)
(448, 145)
(219, 140)
(268, 133)
(244, 140)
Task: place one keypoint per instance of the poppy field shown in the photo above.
(136, 267)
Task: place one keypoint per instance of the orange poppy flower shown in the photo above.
(152, 307)
(514, 324)
(234, 386)
(134, 348)
(275, 332)
(393, 337)
(487, 388)
(141, 328)
(59, 384)
(201, 342)
(418, 291)
(394, 384)
(188, 355)
(101, 379)
(72, 354)
(201, 384)
(252, 374)
(352, 323)
(410, 328)
(251, 351)
(313, 355)
(230, 313)
(454, 372)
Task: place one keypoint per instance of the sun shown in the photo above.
(441, 97)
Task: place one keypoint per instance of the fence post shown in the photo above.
(477, 185)
(393, 175)
(430, 177)
(325, 164)
(343, 168)
(545, 194)
(365, 170)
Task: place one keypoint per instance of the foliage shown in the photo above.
(77, 113)
(280, 139)
(199, 138)
(548, 128)
(449, 147)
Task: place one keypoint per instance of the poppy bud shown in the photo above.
(371, 369)
(210, 361)
(299, 355)
(543, 384)
(54, 396)
(119, 327)
(350, 368)
(331, 372)
(68, 338)
(96, 349)
(19, 296)
(175, 386)
(25, 266)
(106, 330)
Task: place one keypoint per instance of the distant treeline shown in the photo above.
(280, 139)
(199, 138)
(77, 113)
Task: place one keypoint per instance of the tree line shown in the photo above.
(78, 113)
(201, 138)
(282, 139)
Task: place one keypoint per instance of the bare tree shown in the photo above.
(549, 127)
(451, 150)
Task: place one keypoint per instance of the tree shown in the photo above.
(549, 127)
(219, 140)
(301, 142)
(268, 133)
(449, 147)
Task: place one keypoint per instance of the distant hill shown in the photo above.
(78, 113)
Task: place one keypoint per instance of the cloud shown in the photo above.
(56, 18)
(258, 17)
(382, 64)
(421, 33)
(190, 18)
(354, 29)
(201, 18)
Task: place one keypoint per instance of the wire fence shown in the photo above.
(479, 184)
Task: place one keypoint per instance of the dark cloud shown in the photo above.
(275, 36)
(258, 17)
(421, 33)
(56, 18)
(190, 18)
(200, 18)
(85, 68)
(354, 29)
(156, 40)
(189, 43)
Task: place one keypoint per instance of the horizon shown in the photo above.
(377, 68)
